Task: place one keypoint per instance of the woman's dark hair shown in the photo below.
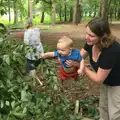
(101, 28)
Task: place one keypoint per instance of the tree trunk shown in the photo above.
(79, 13)
(30, 9)
(100, 9)
(60, 13)
(118, 11)
(65, 12)
(115, 13)
(118, 17)
(71, 14)
(75, 14)
(9, 10)
(15, 12)
(53, 17)
(42, 17)
(94, 15)
(115, 9)
(105, 8)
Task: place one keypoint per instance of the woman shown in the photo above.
(32, 39)
(104, 53)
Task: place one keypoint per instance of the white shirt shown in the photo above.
(32, 38)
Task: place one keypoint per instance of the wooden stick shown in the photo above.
(76, 106)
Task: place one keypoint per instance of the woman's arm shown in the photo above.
(83, 53)
(81, 68)
(98, 77)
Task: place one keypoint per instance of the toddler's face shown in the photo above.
(63, 50)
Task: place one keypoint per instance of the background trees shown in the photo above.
(17, 99)
(61, 10)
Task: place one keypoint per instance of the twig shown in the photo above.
(76, 106)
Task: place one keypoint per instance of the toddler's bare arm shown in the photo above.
(47, 54)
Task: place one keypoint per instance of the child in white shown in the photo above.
(32, 38)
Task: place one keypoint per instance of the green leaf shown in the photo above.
(19, 115)
(24, 110)
(13, 103)
(7, 103)
(24, 95)
(1, 40)
(6, 58)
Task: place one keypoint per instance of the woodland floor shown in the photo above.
(74, 90)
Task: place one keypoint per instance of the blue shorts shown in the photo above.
(32, 64)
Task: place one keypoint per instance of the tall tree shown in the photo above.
(53, 16)
(15, 12)
(105, 5)
(65, 11)
(30, 9)
(9, 10)
(76, 14)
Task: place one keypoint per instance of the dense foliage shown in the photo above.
(19, 100)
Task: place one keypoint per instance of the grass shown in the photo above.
(36, 21)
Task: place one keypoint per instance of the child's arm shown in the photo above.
(81, 68)
(47, 54)
(26, 37)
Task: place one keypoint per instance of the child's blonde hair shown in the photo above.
(67, 41)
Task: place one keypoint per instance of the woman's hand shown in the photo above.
(81, 72)
(71, 63)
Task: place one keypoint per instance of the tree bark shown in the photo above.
(65, 11)
(105, 5)
(42, 17)
(100, 9)
(30, 9)
(53, 17)
(77, 15)
(60, 13)
(9, 10)
(15, 12)
(71, 14)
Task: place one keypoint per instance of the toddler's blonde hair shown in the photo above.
(66, 40)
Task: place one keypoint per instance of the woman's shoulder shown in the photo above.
(115, 45)
(113, 48)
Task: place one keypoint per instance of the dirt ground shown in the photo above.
(76, 32)
(73, 89)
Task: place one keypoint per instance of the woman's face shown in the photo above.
(91, 37)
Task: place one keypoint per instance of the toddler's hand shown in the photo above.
(42, 55)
